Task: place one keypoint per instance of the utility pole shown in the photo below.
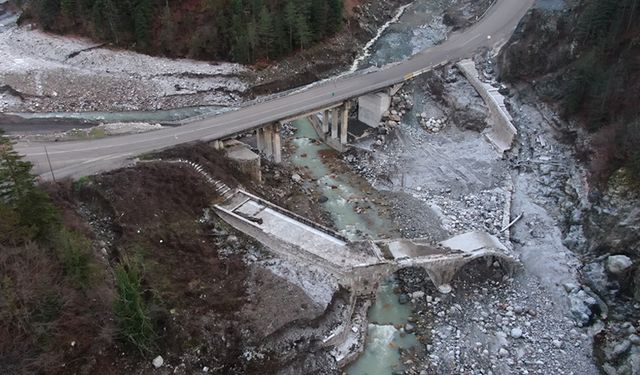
(50, 167)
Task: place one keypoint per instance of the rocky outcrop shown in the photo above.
(612, 227)
(540, 44)
(613, 224)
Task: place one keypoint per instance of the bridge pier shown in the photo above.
(277, 143)
(344, 126)
(325, 121)
(334, 123)
(260, 139)
(269, 142)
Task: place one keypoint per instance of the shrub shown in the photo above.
(80, 183)
(74, 252)
(132, 312)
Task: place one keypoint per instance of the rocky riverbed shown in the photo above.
(491, 323)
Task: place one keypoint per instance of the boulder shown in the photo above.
(516, 333)
(409, 328)
(581, 306)
(618, 264)
(158, 361)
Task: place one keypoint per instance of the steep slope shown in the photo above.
(582, 57)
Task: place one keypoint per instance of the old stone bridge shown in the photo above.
(357, 265)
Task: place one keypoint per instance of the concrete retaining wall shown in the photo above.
(243, 159)
(361, 280)
(502, 131)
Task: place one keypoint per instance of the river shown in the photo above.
(418, 27)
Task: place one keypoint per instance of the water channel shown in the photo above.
(414, 31)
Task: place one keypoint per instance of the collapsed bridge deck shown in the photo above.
(358, 265)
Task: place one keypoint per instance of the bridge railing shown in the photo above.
(269, 97)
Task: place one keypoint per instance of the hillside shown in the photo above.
(582, 58)
(585, 59)
(104, 274)
(243, 31)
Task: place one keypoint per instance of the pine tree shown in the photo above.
(265, 31)
(303, 32)
(68, 9)
(252, 40)
(48, 11)
(15, 174)
(32, 208)
(142, 23)
(291, 20)
(334, 17)
(167, 31)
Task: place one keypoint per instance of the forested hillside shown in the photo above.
(52, 295)
(236, 30)
(603, 87)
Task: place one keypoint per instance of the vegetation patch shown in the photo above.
(131, 309)
(233, 30)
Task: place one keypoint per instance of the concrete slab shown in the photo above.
(247, 161)
(473, 241)
(408, 249)
(502, 132)
(292, 231)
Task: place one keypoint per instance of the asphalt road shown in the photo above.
(81, 158)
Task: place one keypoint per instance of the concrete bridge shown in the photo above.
(357, 265)
(81, 158)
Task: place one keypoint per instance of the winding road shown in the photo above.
(81, 158)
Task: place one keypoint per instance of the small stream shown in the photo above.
(417, 28)
(355, 216)
(345, 204)
(384, 340)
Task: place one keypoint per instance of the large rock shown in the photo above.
(636, 285)
(618, 264)
(158, 361)
(613, 223)
(596, 278)
(468, 110)
(582, 306)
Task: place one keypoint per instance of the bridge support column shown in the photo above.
(325, 121)
(276, 144)
(344, 126)
(260, 139)
(268, 140)
(334, 123)
(218, 145)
